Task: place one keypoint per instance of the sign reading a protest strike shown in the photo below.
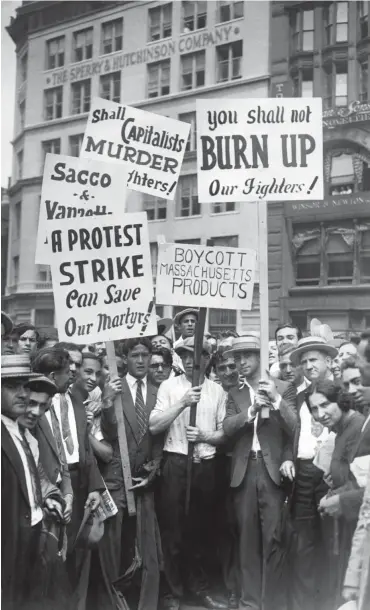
(259, 149)
(102, 279)
(205, 276)
(151, 145)
(75, 189)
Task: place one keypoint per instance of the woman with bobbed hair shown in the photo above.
(333, 408)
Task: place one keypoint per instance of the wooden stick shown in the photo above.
(264, 293)
(122, 440)
(198, 348)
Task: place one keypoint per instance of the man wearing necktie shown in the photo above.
(26, 491)
(261, 446)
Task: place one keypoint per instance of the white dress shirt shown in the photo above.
(211, 411)
(13, 429)
(255, 443)
(132, 384)
(73, 458)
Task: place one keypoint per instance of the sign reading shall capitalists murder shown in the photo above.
(74, 189)
(102, 278)
(205, 276)
(259, 149)
(152, 146)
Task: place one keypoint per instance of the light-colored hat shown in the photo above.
(164, 325)
(6, 321)
(308, 344)
(188, 346)
(17, 365)
(184, 312)
(246, 343)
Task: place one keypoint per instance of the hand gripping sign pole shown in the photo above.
(263, 293)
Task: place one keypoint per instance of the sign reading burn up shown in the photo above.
(205, 276)
(102, 279)
(260, 149)
(152, 146)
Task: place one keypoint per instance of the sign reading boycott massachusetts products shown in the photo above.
(205, 276)
(259, 149)
(151, 145)
(74, 189)
(102, 279)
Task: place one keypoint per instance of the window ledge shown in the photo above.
(187, 217)
(193, 31)
(224, 213)
(295, 290)
(157, 219)
(230, 21)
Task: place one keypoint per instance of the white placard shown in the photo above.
(259, 149)
(152, 146)
(73, 189)
(102, 279)
(205, 276)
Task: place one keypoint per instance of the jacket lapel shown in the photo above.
(80, 418)
(151, 397)
(129, 410)
(8, 446)
(45, 429)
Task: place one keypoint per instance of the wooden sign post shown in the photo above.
(263, 292)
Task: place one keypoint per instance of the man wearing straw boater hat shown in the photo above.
(261, 445)
(314, 356)
(25, 487)
(186, 320)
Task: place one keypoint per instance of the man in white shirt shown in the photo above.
(25, 487)
(313, 356)
(184, 541)
(186, 320)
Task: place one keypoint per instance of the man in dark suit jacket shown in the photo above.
(261, 446)
(138, 400)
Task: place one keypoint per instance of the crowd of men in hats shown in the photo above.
(279, 514)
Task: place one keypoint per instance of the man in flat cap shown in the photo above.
(26, 491)
(184, 541)
(261, 445)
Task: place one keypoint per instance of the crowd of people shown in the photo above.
(278, 516)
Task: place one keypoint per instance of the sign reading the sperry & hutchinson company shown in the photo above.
(187, 43)
(355, 113)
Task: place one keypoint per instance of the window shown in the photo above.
(44, 317)
(336, 22)
(302, 28)
(230, 10)
(307, 241)
(112, 36)
(339, 254)
(20, 165)
(226, 241)
(187, 199)
(55, 53)
(364, 254)
(153, 245)
(303, 83)
(222, 207)
(193, 70)
(53, 100)
(190, 117)
(342, 176)
(81, 96)
(110, 87)
(155, 207)
(17, 219)
(82, 45)
(23, 71)
(363, 16)
(192, 242)
(15, 269)
(363, 84)
(194, 16)
(22, 114)
(221, 320)
(336, 86)
(44, 273)
(160, 22)
(159, 79)
(75, 143)
(49, 146)
(229, 58)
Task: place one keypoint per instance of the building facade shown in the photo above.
(323, 49)
(159, 56)
(4, 237)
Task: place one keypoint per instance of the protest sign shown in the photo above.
(74, 189)
(102, 279)
(259, 149)
(151, 145)
(205, 276)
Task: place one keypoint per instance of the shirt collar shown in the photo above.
(304, 385)
(11, 425)
(132, 381)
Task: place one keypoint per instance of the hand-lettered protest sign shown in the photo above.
(102, 279)
(73, 189)
(151, 145)
(205, 276)
(259, 149)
